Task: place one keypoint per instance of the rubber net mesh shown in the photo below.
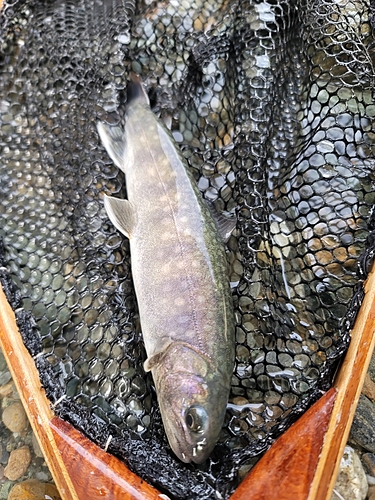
(272, 104)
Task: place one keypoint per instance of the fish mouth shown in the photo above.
(186, 450)
(195, 455)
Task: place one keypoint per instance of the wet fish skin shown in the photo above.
(180, 276)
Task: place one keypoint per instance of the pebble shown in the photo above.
(37, 450)
(371, 493)
(42, 476)
(13, 440)
(351, 483)
(18, 463)
(33, 490)
(5, 377)
(3, 364)
(5, 488)
(371, 368)
(4, 454)
(6, 390)
(368, 462)
(15, 418)
(368, 388)
(362, 431)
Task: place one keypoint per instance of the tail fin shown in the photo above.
(136, 90)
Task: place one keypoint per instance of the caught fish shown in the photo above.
(180, 275)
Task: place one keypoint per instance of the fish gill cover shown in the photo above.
(272, 105)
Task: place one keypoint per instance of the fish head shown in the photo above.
(192, 400)
(192, 414)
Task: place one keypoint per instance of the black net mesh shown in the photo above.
(272, 104)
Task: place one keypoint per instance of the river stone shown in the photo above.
(351, 482)
(368, 388)
(33, 490)
(362, 430)
(5, 488)
(4, 454)
(5, 377)
(15, 418)
(7, 389)
(371, 493)
(37, 450)
(3, 363)
(368, 462)
(371, 368)
(18, 463)
(42, 476)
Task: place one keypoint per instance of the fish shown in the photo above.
(180, 275)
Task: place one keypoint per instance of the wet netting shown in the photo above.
(272, 105)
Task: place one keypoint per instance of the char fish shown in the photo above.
(180, 275)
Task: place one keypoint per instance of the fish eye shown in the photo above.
(196, 419)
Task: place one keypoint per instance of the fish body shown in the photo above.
(180, 276)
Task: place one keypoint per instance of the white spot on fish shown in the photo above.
(201, 444)
(164, 236)
(179, 301)
(165, 268)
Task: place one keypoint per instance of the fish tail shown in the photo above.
(136, 90)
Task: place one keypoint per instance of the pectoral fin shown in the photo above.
(156, 358)
(113, 139)
(121, 213)
(152, 361)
